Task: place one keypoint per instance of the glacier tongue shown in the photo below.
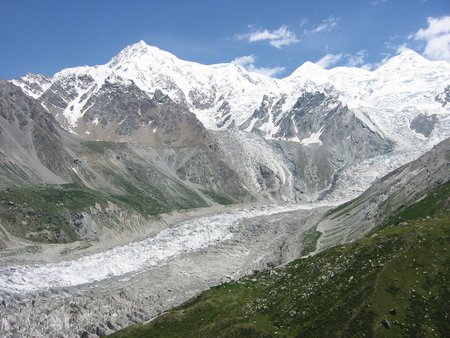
(186, 237)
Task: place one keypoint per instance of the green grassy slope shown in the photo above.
(394, 283)
(101, 173)
(48, 211)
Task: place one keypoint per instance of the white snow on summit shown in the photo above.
(226, 95)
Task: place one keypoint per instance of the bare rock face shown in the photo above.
(29, 138)
(117, 110)
(444, 97)
(424, 124)
(394, 191)
(323, 136)
(320, 136)
(261, 115)
(63, 91)
(18, 110)
(321, 119)
(122, 112)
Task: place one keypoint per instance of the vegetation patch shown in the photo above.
(102, 146)
(435, 203)
(143, 191)
(48, 213)
(345, 208)
(218, 197)
(45, 213)
(309, 241)
(52, 213)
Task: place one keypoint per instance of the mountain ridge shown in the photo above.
(98, 154)
(226, 95)
(334, 120)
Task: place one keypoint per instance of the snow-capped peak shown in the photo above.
(140, 51)
(227, 95)
(33, 85)
(408, 56)
(307, 69)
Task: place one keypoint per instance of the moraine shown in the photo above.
(136, 282)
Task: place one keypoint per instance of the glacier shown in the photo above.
(188, 236)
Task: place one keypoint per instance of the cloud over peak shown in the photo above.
(248, 62)
(436, 37)
(350, 60)
(277, 38)
(329, 60)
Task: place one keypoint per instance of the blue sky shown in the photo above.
(274, 37)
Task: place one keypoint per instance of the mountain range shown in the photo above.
(334, 119)
(222, 129)
(104, 155)
(406, 93)
(149, 124)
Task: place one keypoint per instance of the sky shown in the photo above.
(271, 37)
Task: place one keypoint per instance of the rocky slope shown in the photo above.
(31, 143)
(60, 187)
(391, 194)
(56, 187)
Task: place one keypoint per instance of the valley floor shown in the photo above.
(106, 291)
(394, 283)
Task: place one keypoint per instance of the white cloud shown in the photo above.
(357, 59)
(244, 60)
(269, 71)
(329, 60)
(395, 44)
(436, 37)
(438, 48)
(436, 27)
(367, 66)
(277, 38)
(401, 48)
(303, 22)
(350, 60)
(377, 2)
(325, 25)
(385, 59)
(248, 62)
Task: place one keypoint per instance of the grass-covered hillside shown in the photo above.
(106, 177)
(394, 283)
(54, 213)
